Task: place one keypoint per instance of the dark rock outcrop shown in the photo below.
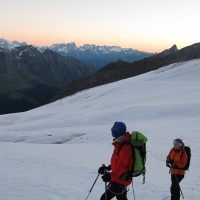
(29, 78)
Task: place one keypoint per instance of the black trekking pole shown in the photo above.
(179, 186)
(92, 186)
(106, 195)
(166, 198)
(133, 191)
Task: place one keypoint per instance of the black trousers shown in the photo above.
(115, 190)
(175, 189)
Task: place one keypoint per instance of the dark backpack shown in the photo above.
(187, 150)
(138, 144)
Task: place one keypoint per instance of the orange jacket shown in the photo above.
(122, 162)
(179, 158)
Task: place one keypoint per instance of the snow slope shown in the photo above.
(163, 104)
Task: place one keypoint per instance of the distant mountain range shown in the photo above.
(94, 54)
(120, 70)
(6, 44)
(98, 55)
(29, 79)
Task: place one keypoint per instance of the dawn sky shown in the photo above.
(148, 25)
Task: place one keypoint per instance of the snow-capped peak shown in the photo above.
(10, 44)
(69, 47)
(64, 47)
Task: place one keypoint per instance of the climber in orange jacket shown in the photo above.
(176, 161)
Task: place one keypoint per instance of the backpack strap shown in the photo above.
(182, 154)
(144, 160)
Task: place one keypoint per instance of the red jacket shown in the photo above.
(122, 162)
(180, 159)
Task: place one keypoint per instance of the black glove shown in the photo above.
(103, 169)
(106, 177)
(126, 176)
(169, 163)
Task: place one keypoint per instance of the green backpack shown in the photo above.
(138, 143)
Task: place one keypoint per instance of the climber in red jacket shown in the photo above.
(121, 164)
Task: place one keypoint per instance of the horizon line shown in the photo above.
(96, 44)
(79, 45)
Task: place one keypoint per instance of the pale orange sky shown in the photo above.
(151, 26)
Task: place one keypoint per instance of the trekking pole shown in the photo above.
(179, 186)
(106, 195)
(92, 186)
(133, 191)
(166, 198)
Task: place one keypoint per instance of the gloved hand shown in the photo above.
(169, 163)
(103, 169)
(106, 177)
(126, 176)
